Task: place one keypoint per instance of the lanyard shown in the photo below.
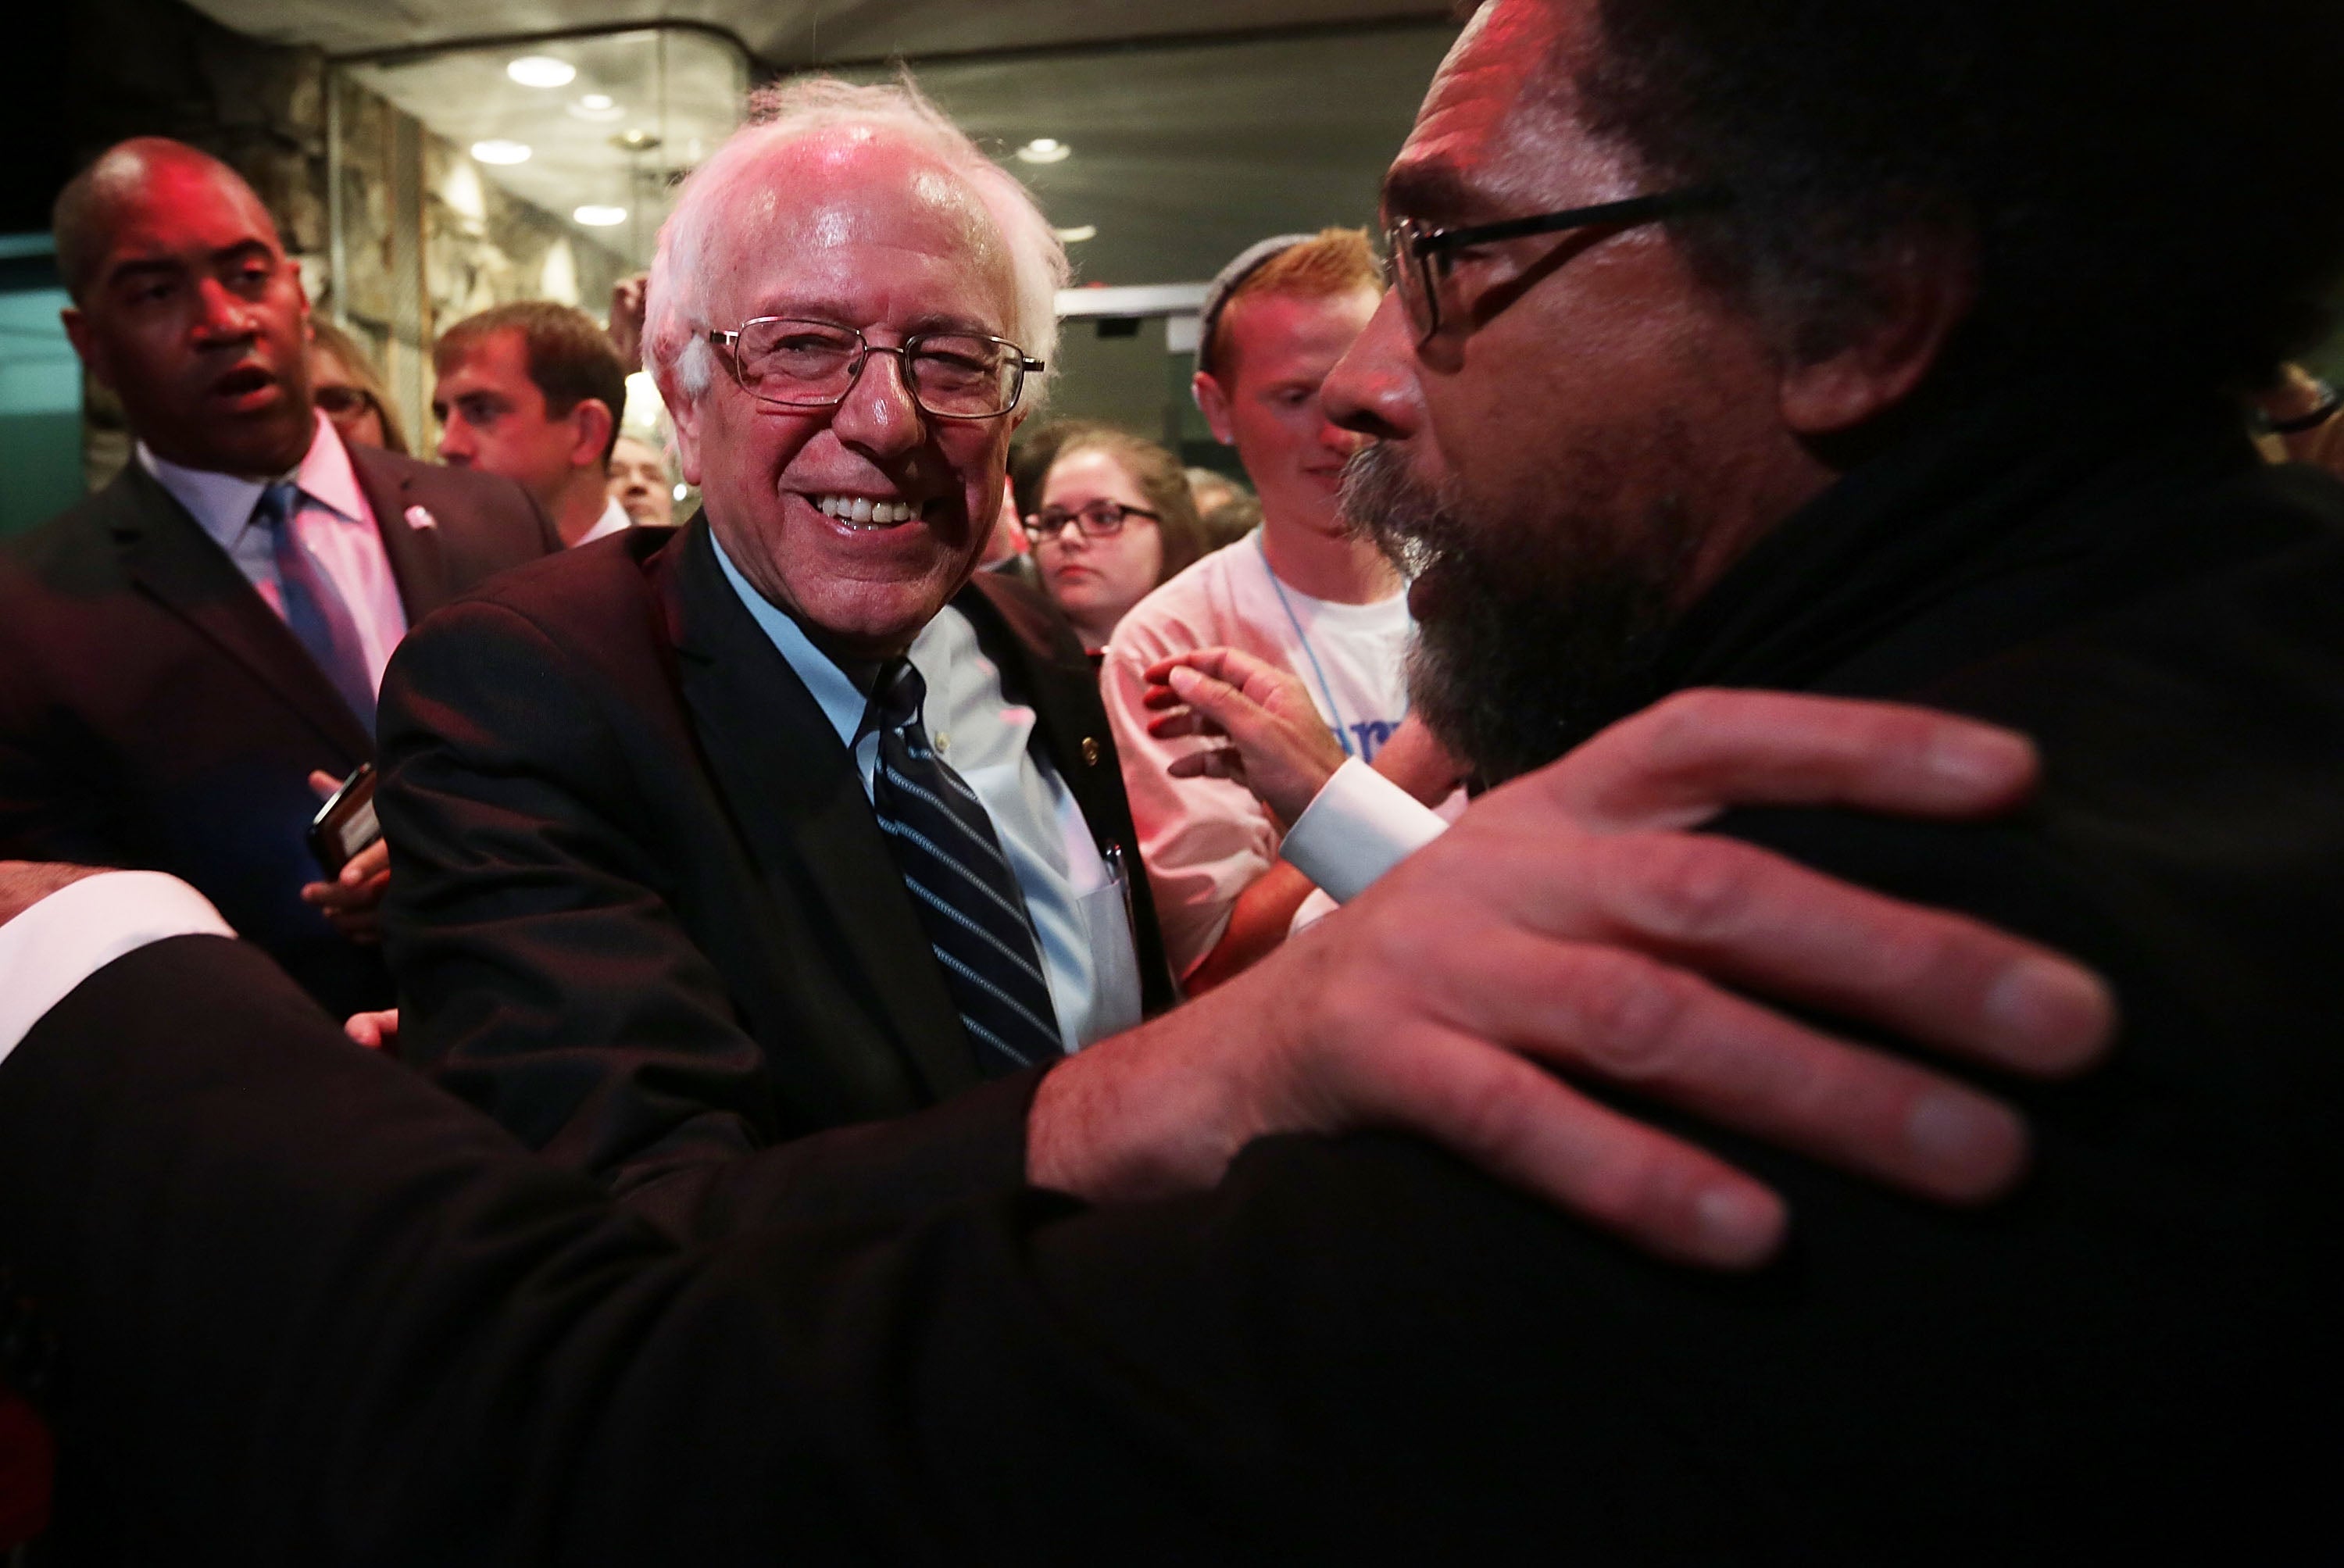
(1342, 736)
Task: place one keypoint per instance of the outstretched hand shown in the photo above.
(1274, 742)
(352, 901)
(1570, 926)
(628, 299)
(1276, 746)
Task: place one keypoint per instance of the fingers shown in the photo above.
(353, 900)
(324, 783)
(375, 1031)
(1182, 721)
(1634, 1022)
(1755, 919)
(1679, 761)
(342, 897)
(1234, 666)
(368, 864)
(1522, 1126)
(1221, 762)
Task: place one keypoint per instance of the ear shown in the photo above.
(593, 422)
(1214, 404)
(87, 344)
(683, 415)
(1922, 289)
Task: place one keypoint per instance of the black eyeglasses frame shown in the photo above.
(1406, 243)
(1038, 531)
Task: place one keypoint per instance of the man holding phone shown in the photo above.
(188, 659)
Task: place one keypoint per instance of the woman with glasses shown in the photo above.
(1112, 519)
(344, 382)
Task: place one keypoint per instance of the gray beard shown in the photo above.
(1532, 633)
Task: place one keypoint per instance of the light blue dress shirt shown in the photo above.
(1076, 903)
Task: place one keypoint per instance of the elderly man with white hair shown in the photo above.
(792, 819)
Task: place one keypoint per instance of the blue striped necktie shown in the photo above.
(961, 883)
(314, 609)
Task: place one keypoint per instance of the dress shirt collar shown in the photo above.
(841, 697)
(222, 503)
(614, 520)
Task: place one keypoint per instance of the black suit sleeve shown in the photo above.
(305, 1308)
(542, 973)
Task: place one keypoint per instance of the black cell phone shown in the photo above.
(345, 824)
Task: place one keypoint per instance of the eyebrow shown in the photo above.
(1430, 190)
(155, 265)
(835, 313)
(128, 271)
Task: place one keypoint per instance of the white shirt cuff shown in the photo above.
(1358, 826)
(82, 927)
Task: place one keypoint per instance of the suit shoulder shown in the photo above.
(485, 508)
(582, 598)
(77, 542)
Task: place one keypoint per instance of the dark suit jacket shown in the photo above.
(156, 713)
(366, 1329)
(640, 910)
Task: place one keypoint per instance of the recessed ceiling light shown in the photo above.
(601, 216)
(682, 490)
(635, 140)
(598, 109)
(497, 150)
(595, 100)
(541, 71)
(1044, 149)
(1078, 234)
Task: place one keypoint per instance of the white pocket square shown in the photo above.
(420, 517)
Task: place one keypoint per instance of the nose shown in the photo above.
(1373, 391)
(224, 316)
(455, 440)
(878, 414)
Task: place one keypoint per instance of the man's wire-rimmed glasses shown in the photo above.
(1422, 260)
(1097, 520)
(790, 362)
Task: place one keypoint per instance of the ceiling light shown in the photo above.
(497, 150)
(682, 490)
(598, 109)
(1078, 234)
(635, 140)
(595, 100)
(1044, 149)
(541, 71)
(601, 216)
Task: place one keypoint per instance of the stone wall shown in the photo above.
(429, 240)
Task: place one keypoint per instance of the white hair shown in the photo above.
(675, 314)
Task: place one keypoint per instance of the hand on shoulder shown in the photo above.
(1570, 926)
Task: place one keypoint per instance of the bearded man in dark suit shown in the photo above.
(190, 655)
